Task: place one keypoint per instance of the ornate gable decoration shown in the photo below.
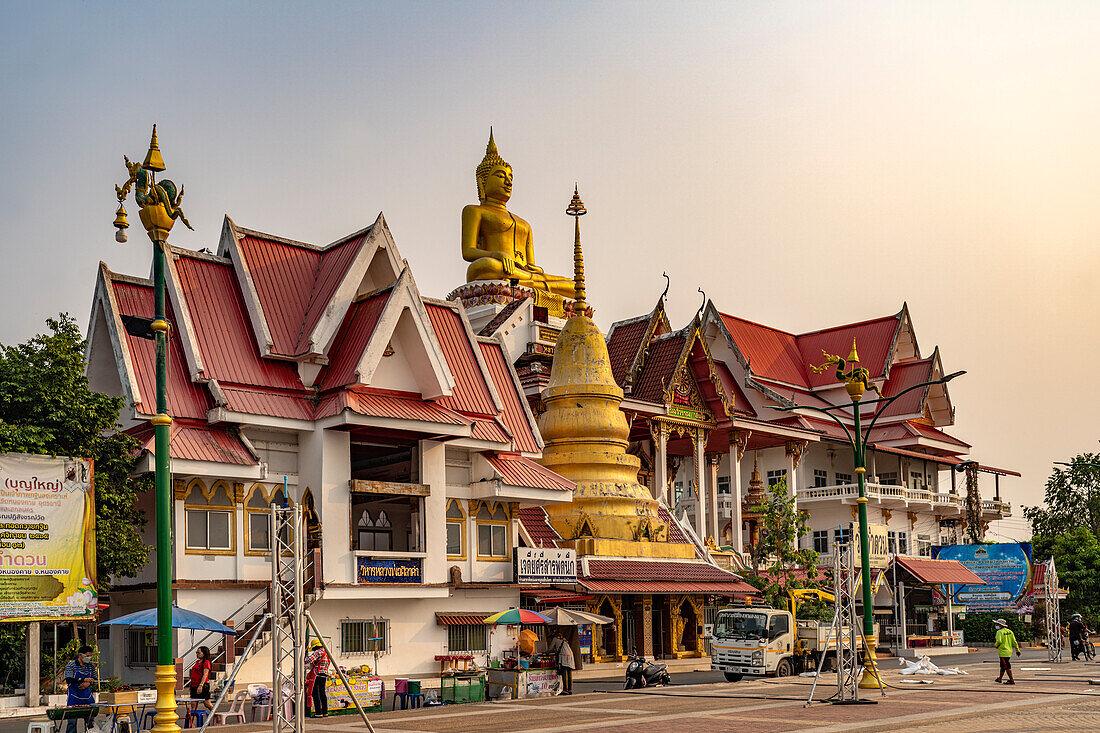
(658, 324)
(682, 397)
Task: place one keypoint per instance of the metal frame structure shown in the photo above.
(848, 667)
(1053, 612)
(287, 627)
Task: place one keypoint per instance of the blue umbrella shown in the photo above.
(181, 619)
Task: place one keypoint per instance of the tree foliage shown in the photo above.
(1076, 554)
(1072, 498)
(776, 550)
(978, 627)
(47, 407)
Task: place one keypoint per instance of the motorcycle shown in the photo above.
(642, 673)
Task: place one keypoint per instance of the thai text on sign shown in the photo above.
(545, 565)
(372, 570)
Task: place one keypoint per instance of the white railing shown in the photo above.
(882, 492)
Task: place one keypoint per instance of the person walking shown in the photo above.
(1005, 641)
(199, 682)
(317, 662)
(1078, 633)
(80, 673)
(564, 655)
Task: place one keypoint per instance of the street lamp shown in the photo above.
(159, 205)
(855, 383)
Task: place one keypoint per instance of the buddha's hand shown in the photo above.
(534, 268)
(507, 262)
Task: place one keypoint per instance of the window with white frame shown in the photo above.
(903, 543)
(467, 638)
(916, 481)
(456, 530)
(141, 647)
(723, 484)
(774, 477)
(892, 541)
(843, 478)
(924, 545)
(365, 636)
(208, 516)
(821, 478)
(492, 531)
(821, 541)
(374, 533)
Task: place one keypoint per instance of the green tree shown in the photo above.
(47, 407)
(1072, 498)
(1076, 554)
(776, 550)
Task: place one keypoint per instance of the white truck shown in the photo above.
(760, 641)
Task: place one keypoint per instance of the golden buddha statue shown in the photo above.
(497, 243)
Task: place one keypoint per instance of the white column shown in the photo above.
(735, 491)
(712, 490)
(700, 483)
(660, 463)
(433, 472)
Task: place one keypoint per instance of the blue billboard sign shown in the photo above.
(1005, 567)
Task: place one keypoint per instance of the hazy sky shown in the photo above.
(806, 164)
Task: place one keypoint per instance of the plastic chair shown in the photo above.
(196, 718)
(148, 720)
(263, 709)
(236, 710)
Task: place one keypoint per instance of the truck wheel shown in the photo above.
(784, 668)
(732, 676)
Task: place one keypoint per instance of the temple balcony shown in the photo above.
(885, 495)
(996, 509)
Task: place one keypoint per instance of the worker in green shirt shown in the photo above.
(1005, 641)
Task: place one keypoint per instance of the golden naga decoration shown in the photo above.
(497, 243)
(855, 381)
(159, 201)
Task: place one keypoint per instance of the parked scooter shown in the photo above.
(641, 673)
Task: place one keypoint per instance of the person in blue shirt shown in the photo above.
(80, 675)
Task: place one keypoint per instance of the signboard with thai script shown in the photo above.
(47, 538)
(880, 547)
(545, 565)
(1003, 566)
(367, 691)
(376, 570)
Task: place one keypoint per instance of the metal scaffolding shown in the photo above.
(1053, 612)
(845, 626)
(287, 624)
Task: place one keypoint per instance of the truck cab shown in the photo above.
(753, 641)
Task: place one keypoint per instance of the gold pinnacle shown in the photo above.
(576, 210)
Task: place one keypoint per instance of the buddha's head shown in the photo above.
(494, 175)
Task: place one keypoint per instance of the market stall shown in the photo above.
(918, 581)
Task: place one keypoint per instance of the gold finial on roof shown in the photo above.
(853, 356)
(153, 159)
(576, 210)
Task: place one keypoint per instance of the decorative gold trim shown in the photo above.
(160, 419)
(739, 439)
(463, 522)
(796, 449)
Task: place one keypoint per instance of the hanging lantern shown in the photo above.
(121, 224)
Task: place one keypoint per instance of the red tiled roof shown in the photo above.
(735, 587)
(873, 341)
(460, 619)
(623, 344)
(783, 357)
(471, 392)
(902, 377)
(657, 569)
(514, 415)
(534, 521)
(196, 442)
(220, 321)
(387, 404)
(519, 471)
(935, 572)
(266, 402)
(927, 431)
(664, 354)
(351, 341)
(294, 283)
(489, 430)
(185, 398)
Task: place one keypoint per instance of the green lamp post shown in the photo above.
(159, 205)
(855, 383)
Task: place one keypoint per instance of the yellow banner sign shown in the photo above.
(47, 538)
(880, 547)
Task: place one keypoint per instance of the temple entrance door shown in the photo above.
(629, 646)
(660, 646)
(606, 636)
(691, 623)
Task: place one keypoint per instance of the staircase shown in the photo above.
(246, 619)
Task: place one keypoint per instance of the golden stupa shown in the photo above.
(586, 437)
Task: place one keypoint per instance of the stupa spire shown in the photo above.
(576, 210)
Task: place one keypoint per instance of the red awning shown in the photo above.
(936, 572)
(460, 619)
(516, 470)
(552, 595)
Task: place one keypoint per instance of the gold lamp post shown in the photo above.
(159, 205)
